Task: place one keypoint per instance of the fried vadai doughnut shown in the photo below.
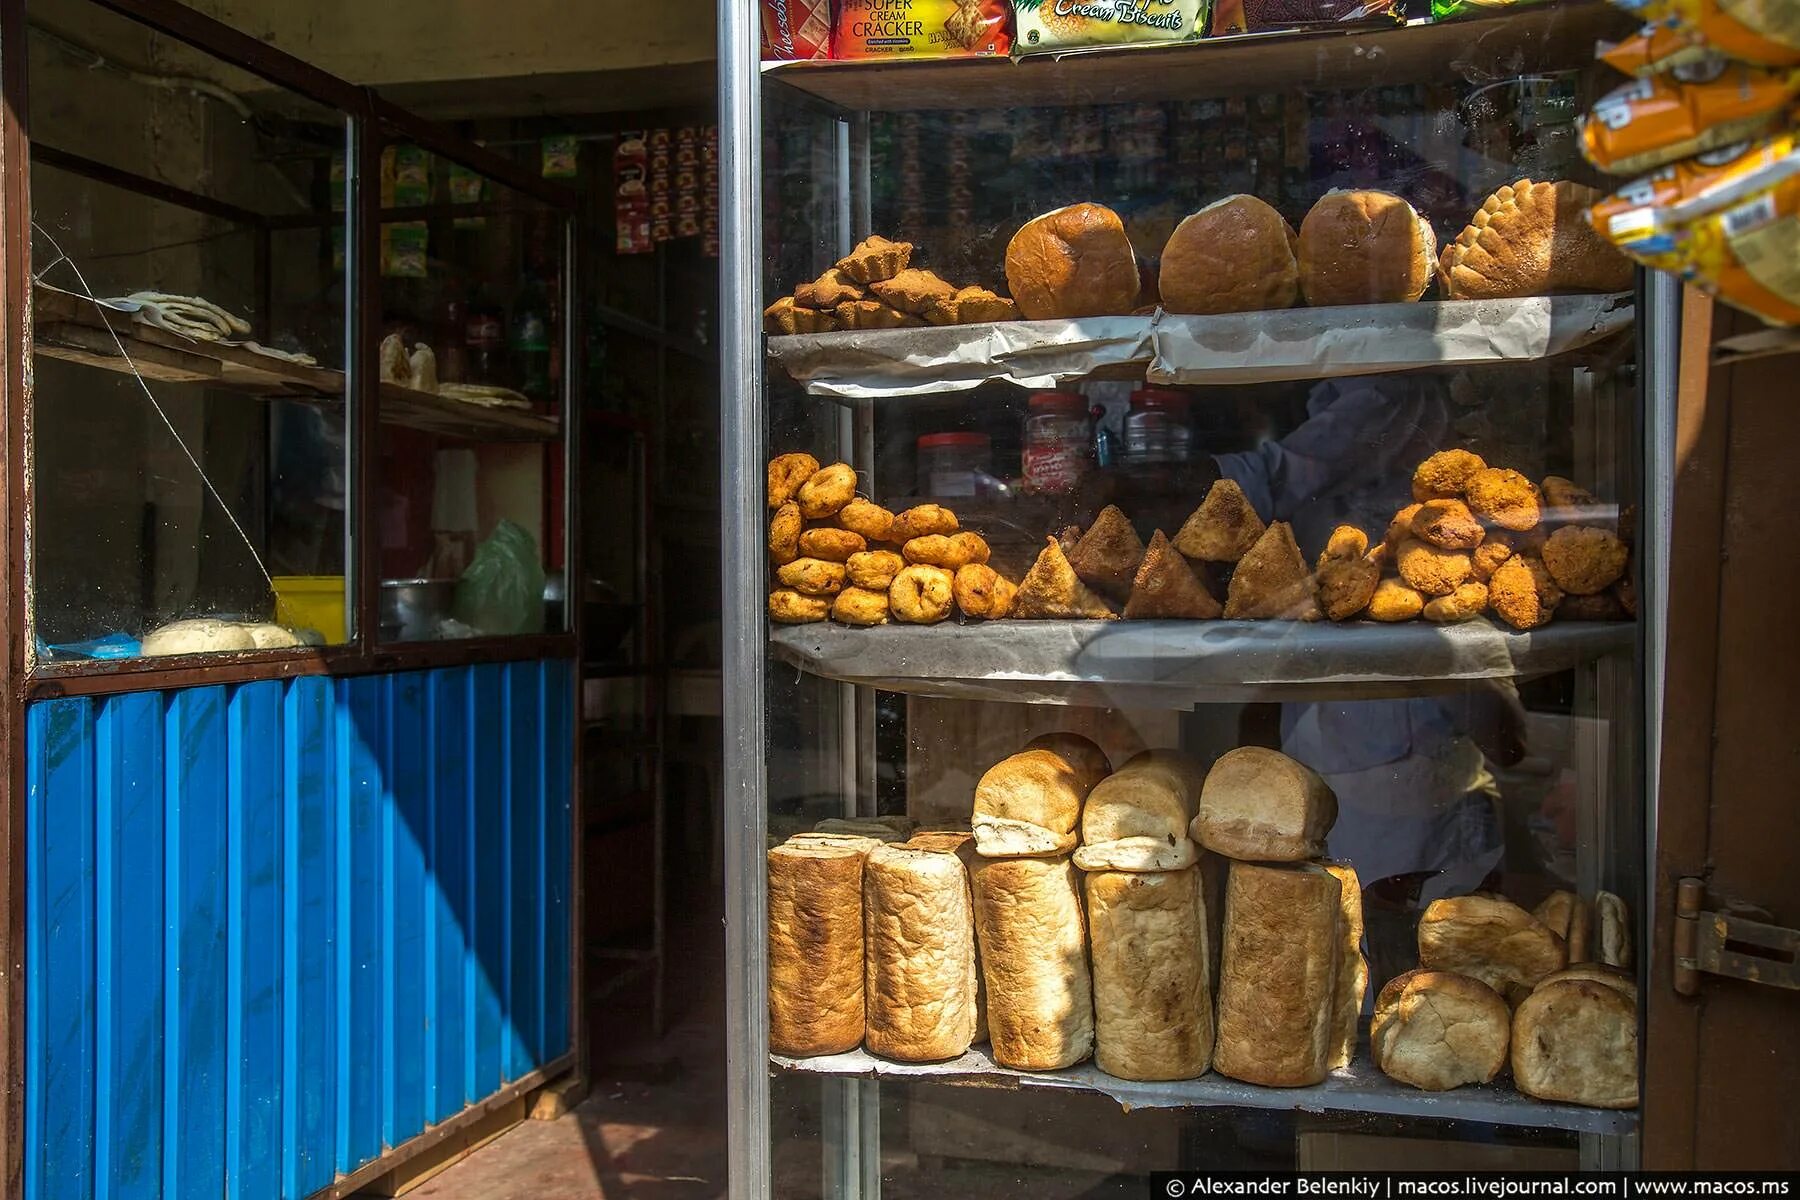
(1447, 523)
(1430, 569)
(1394, 601)
(982, 592)
(868, 518)
(922, 520)
(949, 551)
(874, 569)
(1468, 601)
(1505, 498)
(834, 545)
(860, 606)
(784, 533)
(827, 490)
(812, 576)
(788, 607)
(786, 473)
(1584, 559)
(1445, 475)
(921, 595)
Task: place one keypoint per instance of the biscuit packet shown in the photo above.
(1645, 218)
(1749, 254)
(919, 28)
(796, 29)
(1764, 32)
(1656, 120)
(1049, 25)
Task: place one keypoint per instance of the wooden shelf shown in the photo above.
(72, 329)
(1534, 38)
(1178, 664)
(1359, 1088)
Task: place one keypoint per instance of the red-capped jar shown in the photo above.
(1059, 442)
(954, 464)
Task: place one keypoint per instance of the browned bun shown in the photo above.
(1365, 247)
(1234, 255)
(1073, 262)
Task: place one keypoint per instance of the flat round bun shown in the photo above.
(1235, 255)
(1074, 262)
(1438, 1030)
(1365, 247)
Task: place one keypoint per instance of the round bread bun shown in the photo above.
(1438, 1030)
(1235, 255)
(1073, 262)
(1365, 247)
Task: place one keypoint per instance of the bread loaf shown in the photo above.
(1034, 958)
(1438, 1030)
(1153, 1014)
(1576, 1041)
(1073, 262)
(919, 938)
(1277, 974)
(1616, 978)
(1028, 804)
(1365, 247)
(1492, 939)
(815, 949)
(1353, 969)
(1088, 759)
(1614, 939)
(961, 843)
(1149, 802)
(1234, 255)
(1260, 805)
(1570, 918)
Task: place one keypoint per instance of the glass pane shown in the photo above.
(472, 386)
(1223, 489)
(188, 455)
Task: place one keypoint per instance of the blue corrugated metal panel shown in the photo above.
(276, 927)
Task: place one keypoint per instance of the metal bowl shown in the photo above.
(411, 609)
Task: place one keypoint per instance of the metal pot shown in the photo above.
(412, 609)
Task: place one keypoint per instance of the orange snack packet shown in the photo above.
(1749, 254)
(1659, 119)
(1658, 48)
(1645, 217)
(1765, 32)
(920, 28)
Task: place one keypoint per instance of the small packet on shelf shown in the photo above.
(1764, 32)
(920, 28)
(1444, 10)
(1258, 16)
(1050, 25)
(796, 29)
(1662, 118)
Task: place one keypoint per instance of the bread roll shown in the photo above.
(1152, 1006)
(1576, 1041)
(1492, 939)
(1353, 968)
(919, 935)
(1616, 978)
(1073, 262)
(1034, 959)
(1234, 255)
(1365, 247)
(1029, 803)
(1259, 805)
(1277, 974)
(1570, 918)
(1438, 1030)
(1614, 933)
(815, 949)
(1152, 797)
(1530, 239)
(1088, 759)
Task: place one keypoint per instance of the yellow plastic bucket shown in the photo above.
(312, 602)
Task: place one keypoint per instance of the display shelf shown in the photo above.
(1359, 1088)
(1232, 348)
(67, 327)
(1548, 36)
(1178, 664)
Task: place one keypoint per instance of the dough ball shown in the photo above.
(860, 606)
(874, 569)
(868, 518)
(827, 491)
(982, 592)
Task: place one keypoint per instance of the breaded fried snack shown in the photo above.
(833, 545)
(1495, 549)
(784, 533)
(1523, 593)
(1166, 588)
(921, 595)
(1107, 556)
(1445, 475)
(1271, 581)
(1505, 498)
(860, 606)
(972, 306)
(912, 290)
(872, 314)
(982, 592)
(874, 569)
(828, 490)
(868, 518)
(786, 317)
(827, 291)
(949, 551)
(1394, 601)
(1447, 523)
(922, 520)
(812, 576)
(786, 473)
(1400, 528)
(1467, 601)
(1568, 503)
(1346, 542)
(1346, 585)
(788, 607)
(1051, 589)
(1223, 528)
(1432, 569)
(1584, 559)
(875, 258)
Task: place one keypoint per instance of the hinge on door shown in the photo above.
(1721, 944)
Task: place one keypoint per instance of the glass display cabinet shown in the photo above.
(1187, 411)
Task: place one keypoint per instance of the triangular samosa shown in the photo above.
(1052, 589)
(1166, 587)
(1271, 580)
(1108, 554)
(1223, 528)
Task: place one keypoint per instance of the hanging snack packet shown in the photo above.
(1749, 254)
(1256, 16)
(1658, 48)
(919, 28)
(1764, 32)
(1645, 217)
(1662, 118)
(1048, 25)
(796, 29)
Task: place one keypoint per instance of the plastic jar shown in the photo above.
(953, 464)
(1059, 442)
(1156, 428)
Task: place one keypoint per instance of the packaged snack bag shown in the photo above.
(1445, 9)
(919, 28)
(1254, 16)
(1046, 25)
(796, 29)
(1662, 118)
(1749, 254)
(1765, 32)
